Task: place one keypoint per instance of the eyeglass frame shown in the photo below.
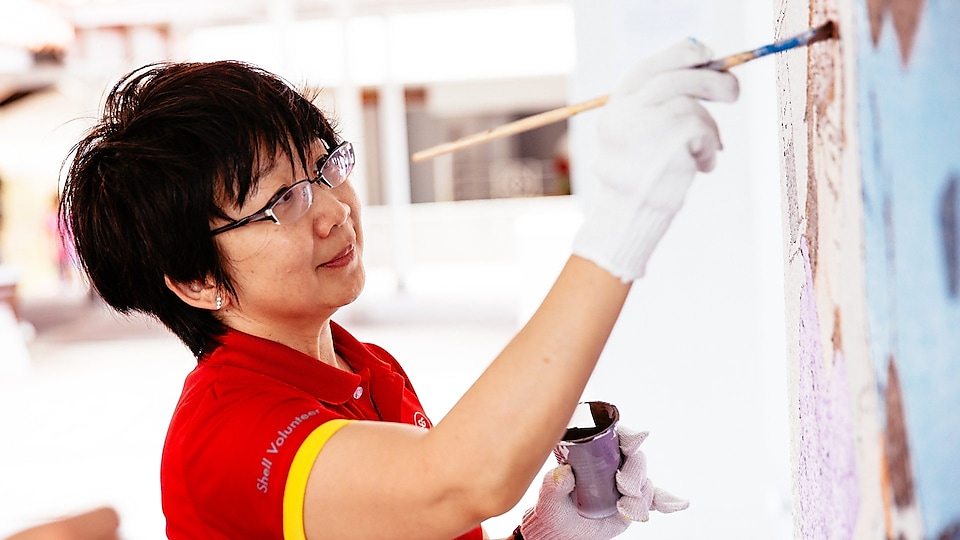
(266, 212)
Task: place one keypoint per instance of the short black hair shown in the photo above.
(175, 141)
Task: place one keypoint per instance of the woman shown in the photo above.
(217, 199)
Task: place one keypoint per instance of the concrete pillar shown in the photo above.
(395, 159)
(349, 107)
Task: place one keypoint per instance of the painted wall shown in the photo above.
(870, 175)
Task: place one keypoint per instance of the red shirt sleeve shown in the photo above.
(225, 477)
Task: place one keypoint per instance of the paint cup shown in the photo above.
(592, 448)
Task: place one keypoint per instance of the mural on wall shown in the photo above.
(827, 483)
(908, 86)
(871, 186)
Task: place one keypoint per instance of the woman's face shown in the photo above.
(295, 275)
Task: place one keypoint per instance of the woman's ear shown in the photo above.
(202, 295)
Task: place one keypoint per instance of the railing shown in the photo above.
(508, 178)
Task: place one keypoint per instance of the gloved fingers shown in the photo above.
(704, 142)
(634, 125)
(636, 508)
(630, 440)
(632, 477)
(665, 502)
(706, 84)
(559, 480)
(695, 128)
(683, 54)
(554, 498)
(706, 162)
(688, 142)
(655, 110)
(654, 197)
(555, 515)
(645, 134)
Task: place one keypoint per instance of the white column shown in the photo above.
(395, 168)
(443, 180)
(349, 107)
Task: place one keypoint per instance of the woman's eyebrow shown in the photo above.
(269, 166)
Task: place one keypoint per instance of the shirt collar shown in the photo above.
(325, 382)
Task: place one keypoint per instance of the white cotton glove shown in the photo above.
(555, 516)
(654, 135)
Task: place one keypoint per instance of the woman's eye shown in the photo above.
(285, 198)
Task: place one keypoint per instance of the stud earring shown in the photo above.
(219, 302)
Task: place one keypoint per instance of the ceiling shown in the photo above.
(31, 29)
(99, 13)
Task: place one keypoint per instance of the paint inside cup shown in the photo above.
(589, 420)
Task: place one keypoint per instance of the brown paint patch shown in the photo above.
(896, 443)
(875, 9)
(813, 220)
(837, 337)
(824, 120)
(906, 19)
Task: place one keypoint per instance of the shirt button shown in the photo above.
(358, 392)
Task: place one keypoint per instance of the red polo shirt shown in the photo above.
(251, 420)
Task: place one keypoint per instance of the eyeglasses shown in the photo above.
(290, 204)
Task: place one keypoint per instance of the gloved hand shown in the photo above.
(654, 136)
(555, 516)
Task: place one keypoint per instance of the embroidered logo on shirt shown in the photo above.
(264, 481)
(420, 419)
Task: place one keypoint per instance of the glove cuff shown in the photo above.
(619, 236)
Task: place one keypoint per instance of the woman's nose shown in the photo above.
(328, 212)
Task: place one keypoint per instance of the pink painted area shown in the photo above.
(827, 483)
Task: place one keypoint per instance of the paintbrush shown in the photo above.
(820, 33)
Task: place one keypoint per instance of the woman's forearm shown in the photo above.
(518, 409)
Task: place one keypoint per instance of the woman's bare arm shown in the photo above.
(388, 481)
(378, 480)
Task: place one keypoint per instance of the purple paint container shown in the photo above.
(592, 448)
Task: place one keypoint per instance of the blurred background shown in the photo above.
(460, 249)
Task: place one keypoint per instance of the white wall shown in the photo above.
(698, 355)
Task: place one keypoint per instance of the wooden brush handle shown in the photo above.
(518, 126)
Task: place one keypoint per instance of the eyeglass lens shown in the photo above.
(338, 165)
(293, 204)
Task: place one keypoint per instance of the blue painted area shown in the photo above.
(910, 156)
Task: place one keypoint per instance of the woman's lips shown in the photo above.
(344, 258)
